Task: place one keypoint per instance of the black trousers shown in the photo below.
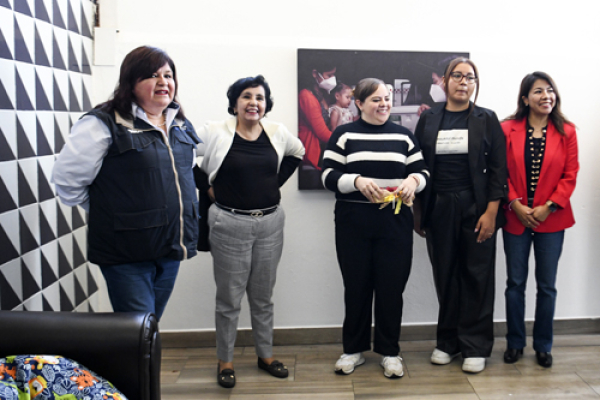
(463, 271)
(374, 250)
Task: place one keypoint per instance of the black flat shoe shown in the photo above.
(544, 359)
(226, 378)
(277, 369)
(511, 356)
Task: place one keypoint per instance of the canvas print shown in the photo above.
(325, 82)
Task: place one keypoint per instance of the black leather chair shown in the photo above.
(124, 348)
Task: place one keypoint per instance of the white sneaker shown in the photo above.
(347, 362)
(473, 365)
(392, 367)
(442, 358)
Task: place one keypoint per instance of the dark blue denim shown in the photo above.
(547, 248)
(143, 286)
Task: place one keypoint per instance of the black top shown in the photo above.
(248, 178)
(452, 170)
(534, 156)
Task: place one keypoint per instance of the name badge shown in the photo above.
(455, 141)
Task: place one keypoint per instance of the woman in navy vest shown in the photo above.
(128, 163)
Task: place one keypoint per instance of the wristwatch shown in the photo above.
(551, 206)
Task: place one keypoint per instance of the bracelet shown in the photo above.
(552, 206)
(416, 179)
(510, 204)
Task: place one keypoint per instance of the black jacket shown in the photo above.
(487, 158)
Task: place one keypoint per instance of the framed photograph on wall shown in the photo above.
(325, 82)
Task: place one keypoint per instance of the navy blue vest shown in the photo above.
(143, 202)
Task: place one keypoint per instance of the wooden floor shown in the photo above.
(191, 374)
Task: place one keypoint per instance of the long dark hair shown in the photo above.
(450, 69)
(556, 116)
(138, 65)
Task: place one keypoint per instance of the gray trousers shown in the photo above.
(246, 251)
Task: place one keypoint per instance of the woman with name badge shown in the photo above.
(463, 146)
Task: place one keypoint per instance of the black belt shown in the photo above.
(252, 213)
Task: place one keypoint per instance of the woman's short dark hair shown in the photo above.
(235, 91)
(556, 116)
(364, 88)
(138, 65)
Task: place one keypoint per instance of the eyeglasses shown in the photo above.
(458, 77)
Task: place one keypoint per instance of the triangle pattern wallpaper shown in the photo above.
(45, 81)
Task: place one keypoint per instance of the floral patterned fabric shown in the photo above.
(29, 377)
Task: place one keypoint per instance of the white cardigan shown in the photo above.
(217, 138)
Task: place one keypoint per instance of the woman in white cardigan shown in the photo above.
(246, 160)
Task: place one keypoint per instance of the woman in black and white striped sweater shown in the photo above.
(374, 246)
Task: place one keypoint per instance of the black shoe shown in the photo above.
(511, 356)
(277, 369)
(226, 378)
(544, 359)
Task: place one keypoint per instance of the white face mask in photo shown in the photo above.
(327, 84)
(437, 93)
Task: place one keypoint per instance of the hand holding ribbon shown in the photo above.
(393, 196)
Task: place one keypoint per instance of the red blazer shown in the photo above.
(557, 177)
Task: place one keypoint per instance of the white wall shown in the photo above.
(214, 43)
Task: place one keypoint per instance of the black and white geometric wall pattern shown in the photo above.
(45, 82)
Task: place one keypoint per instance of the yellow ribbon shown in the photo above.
(392, 198)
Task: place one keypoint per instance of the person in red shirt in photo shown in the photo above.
(313, 120)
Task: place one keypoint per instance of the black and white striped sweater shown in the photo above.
(386, 153)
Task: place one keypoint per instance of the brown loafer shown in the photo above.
(277, 369)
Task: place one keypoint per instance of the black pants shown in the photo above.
(463, 271)
(374, 250)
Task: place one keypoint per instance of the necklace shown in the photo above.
(164, 121)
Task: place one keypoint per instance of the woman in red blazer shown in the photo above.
(542, 170)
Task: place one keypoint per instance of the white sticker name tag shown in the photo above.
(455, 141)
